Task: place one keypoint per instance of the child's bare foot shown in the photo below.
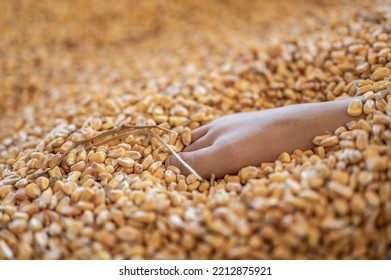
(232, 142)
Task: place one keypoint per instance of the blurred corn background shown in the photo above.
(71, 69)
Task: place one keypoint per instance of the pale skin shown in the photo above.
(232, 142)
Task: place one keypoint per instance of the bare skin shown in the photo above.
(231, 142)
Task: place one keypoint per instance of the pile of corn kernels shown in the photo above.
(72, 69)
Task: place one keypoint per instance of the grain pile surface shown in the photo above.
(72, 69)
